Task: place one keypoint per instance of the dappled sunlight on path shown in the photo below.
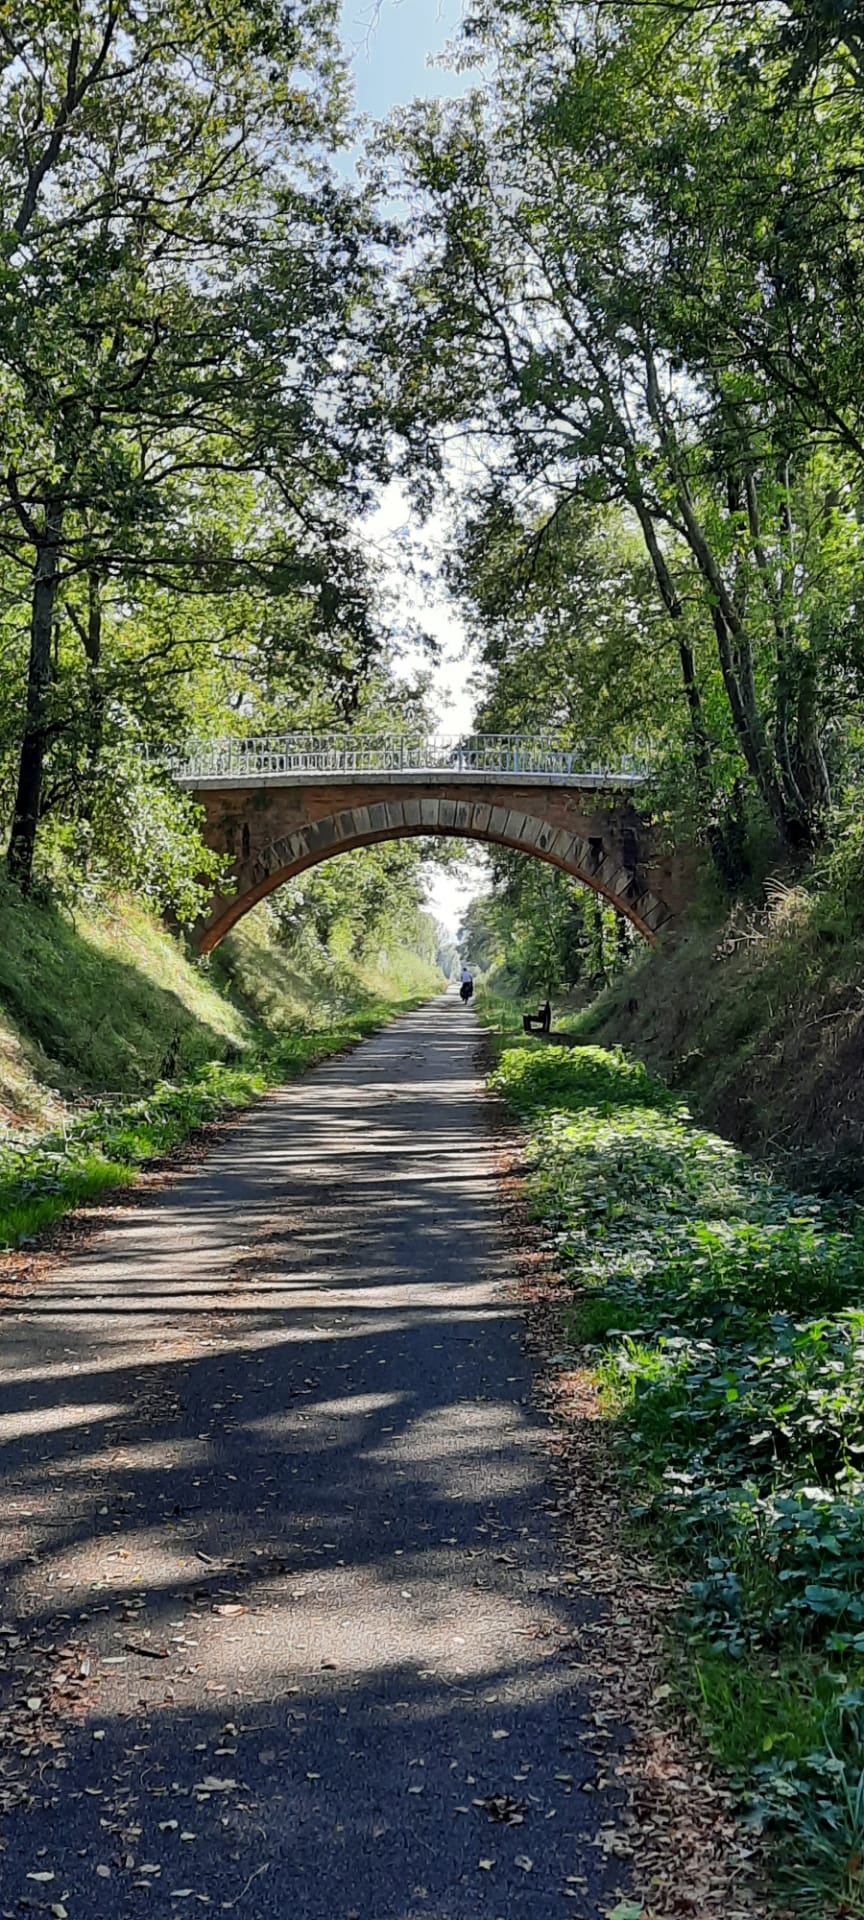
(271, 1470)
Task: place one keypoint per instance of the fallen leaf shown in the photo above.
(524, 1861)
(487, 1865)
(40, 1876)
(500, 1733)
(503, 1808)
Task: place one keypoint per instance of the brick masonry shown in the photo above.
(273, 831)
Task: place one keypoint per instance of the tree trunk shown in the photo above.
(95, 726)
(733, 640)
(797, 804)
(28, 797)
(675, 609)
(735, 654)
(811, 769)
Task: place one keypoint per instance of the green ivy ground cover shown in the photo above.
(44, 1176)
(724, 1317)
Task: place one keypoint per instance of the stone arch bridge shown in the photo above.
(280, 804)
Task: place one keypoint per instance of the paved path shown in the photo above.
(273, 1425)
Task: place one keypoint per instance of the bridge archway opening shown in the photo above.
(585, 861)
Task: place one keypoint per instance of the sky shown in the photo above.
(390, 45)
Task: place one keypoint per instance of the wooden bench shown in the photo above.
(538, 1022)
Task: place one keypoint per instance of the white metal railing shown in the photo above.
(288, 754)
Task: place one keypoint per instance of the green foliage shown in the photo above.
(139, 835)
(536, 931)
(561, 611)
(302, 980)
(724, 1316)
(104, 1001)
(187, 444)
(759, 1016)
(668, 540)
(761, 1707)
(568, 1080)
(529, 927)
(838, 880)
(366, 901)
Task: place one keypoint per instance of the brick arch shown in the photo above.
(586, 859)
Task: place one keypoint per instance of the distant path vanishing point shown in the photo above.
(273, 1499)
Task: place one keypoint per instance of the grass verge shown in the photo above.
(723, 1318)
(45, 1176)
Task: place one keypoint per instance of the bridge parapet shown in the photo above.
(297, 757)
(275, 804)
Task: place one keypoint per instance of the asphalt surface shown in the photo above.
(273, 1495)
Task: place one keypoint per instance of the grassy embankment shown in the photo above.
(115, 1046)
(722, 1315)
(760, 1021)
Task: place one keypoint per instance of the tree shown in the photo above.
(180, 405)
(537, 931)
(549, 313)
(562, 612)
